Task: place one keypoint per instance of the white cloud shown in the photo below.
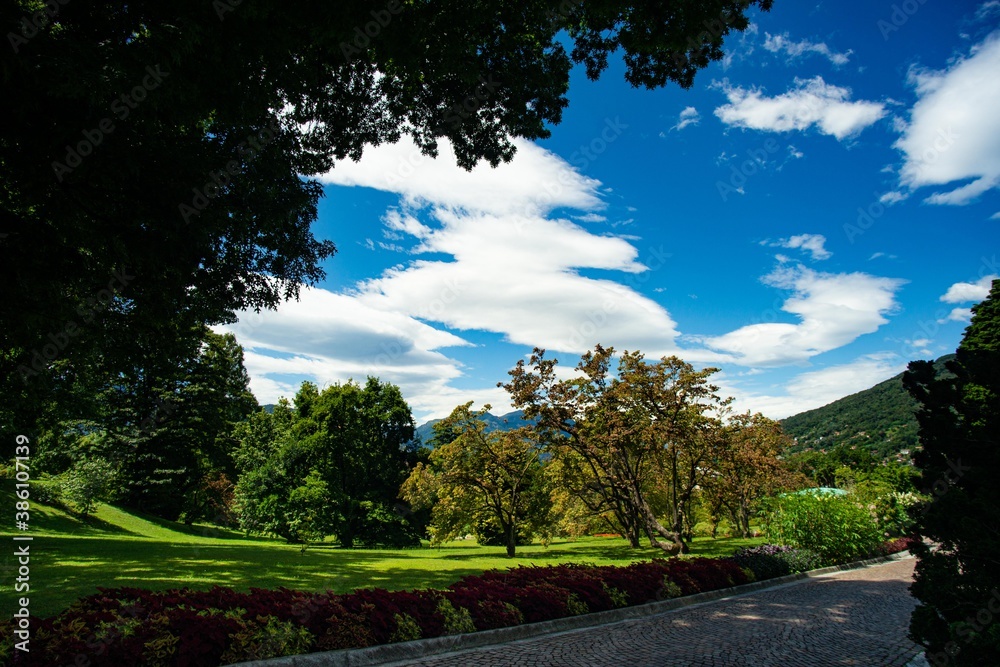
(779, 43)
(995, 216)
(811, 102)
(966, 292)
(335, 337)
(834, 309)
(811, 243)
(957, 315)
(815, 389)
(953, 134)
(689, 116)
(519, 277)
(535, 182)
(892, 197)
(483, 257)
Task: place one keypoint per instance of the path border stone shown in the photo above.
(388, 654)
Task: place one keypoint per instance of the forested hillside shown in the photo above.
(880, 418)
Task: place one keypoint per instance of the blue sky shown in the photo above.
(820, 208)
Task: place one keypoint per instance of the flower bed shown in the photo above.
(125, 626)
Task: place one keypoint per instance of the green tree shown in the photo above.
(746, 468)
(88, 482)
(959, 457)
(171, 444)
(619, 435)
(331, 466)
(481, 480)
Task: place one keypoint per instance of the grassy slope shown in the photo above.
(71, 557)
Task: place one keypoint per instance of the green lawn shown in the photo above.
(71, 557)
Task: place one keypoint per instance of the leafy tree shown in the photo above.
(88, 482)
(170, 444)
(156, 150)
(747, 468)
(333, 465)
(164, 427)
(959, 418)
(492, 481)
(618, 435)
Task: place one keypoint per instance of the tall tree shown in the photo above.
(155, 151)
(959, 417)
(481, 477)
(173, 428)
(747, 467)
(620, 432)
(332, 466)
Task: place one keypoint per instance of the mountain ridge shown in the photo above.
(881, 418)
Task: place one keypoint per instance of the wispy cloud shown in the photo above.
(794, 50)
(689, 116)
(814, 389)
(814, 244)
(834, 309)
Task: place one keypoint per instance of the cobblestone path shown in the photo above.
(858, 617)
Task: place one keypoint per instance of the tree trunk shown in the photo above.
(511, 540)
(675, 546)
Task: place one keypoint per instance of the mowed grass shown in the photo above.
(72, 556)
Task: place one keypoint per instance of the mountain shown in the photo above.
(507, 422)
(880, 419)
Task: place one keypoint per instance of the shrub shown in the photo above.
(406, 629)
(457, 620)
(802, 560)
(838, 528)
(88, 482)
(47, 491)
(266, 638)
(765, 561)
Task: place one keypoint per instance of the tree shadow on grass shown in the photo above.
(61, 520)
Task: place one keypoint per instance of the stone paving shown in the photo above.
(857, 617)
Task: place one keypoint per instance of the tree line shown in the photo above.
(645, 449)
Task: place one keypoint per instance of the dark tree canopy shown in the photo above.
(960, 456)
(155, 156)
